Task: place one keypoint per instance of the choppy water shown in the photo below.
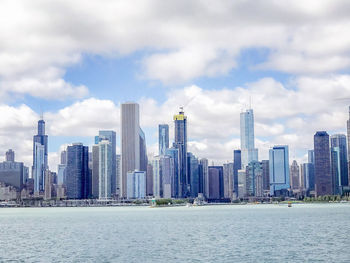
(251, 233)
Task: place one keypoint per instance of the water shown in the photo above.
(250, 233)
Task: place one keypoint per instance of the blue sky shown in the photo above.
(79, 64)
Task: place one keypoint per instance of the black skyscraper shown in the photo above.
(323, 177)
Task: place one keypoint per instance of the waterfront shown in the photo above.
(249, 233)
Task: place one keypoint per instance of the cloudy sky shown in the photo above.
(78, 60)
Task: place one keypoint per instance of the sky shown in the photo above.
(77, 61)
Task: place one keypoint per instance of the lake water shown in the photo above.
(249, 233)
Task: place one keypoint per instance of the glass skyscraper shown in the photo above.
(248, 151)
(237, 165)
(181, 144)
(40, 163)
(163, 138)
(323, 177)
(279, 170)
(339, 162)
(77, 171)
(111, 136)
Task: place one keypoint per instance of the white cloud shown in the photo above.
(180, 40)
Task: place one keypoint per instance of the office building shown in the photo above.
(279, 170)
(11, 173)
(193, 173)
(157, 177)
(133, 144)
(204, 175)
(40, 157)
(174, 154)
(111, 137)
(295, 176)
(181, 144)
(149, 180)
(340, 164)
(136, 185)
(323, 177)
(237, 165)
(248, 151)
(228, 180)
(216, 182)
(163, 138)
(106, 169)
(77, 171)
(167, 175)
(266, 175)
(10, 156)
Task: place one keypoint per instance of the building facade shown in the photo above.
(279, 170)
(248, 151)
(163, 138)
(323, 177)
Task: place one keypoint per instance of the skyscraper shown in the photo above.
(174, 154)
(323, 177)
(348, 135)
(40, 163)
(204, 173)
(10, 156)
(294, 176)
(167, 175)
(181, 143)
(192, 171)
(95, 169)
(228, 179)
(248, 151)
(77, 171)
(163, 138)
(111, 136)
(136, 185)
(216, 182)
(237, 165)
(106, 169)
(266, 175)
(340, 166)
(157, 177)
(133, 143)
(279, 170)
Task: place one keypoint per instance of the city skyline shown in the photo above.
(294, 85)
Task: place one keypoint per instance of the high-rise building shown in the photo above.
(308, 177)
(348, 136)
(111, 137)
(77, 171)
(133, 144)
(339, 164)
(136, 185)
(294, 176)
(64, 157)
(242, 183)
(216, 182)
(181, 144)
(248, 151)
(228, 180)
(254, 179)
(149, 180)
(266, 175)
(95, 169)
(118, 172)
(11, 173)
(174, 154)
(106, 169)
(323, 177)
(167, 175)
(157, 177)
(204, 174)
(279, 170)
(40, 152)
(163, 138)
(237, 165)
(193, 172)
(10, 156)
(48, 185)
